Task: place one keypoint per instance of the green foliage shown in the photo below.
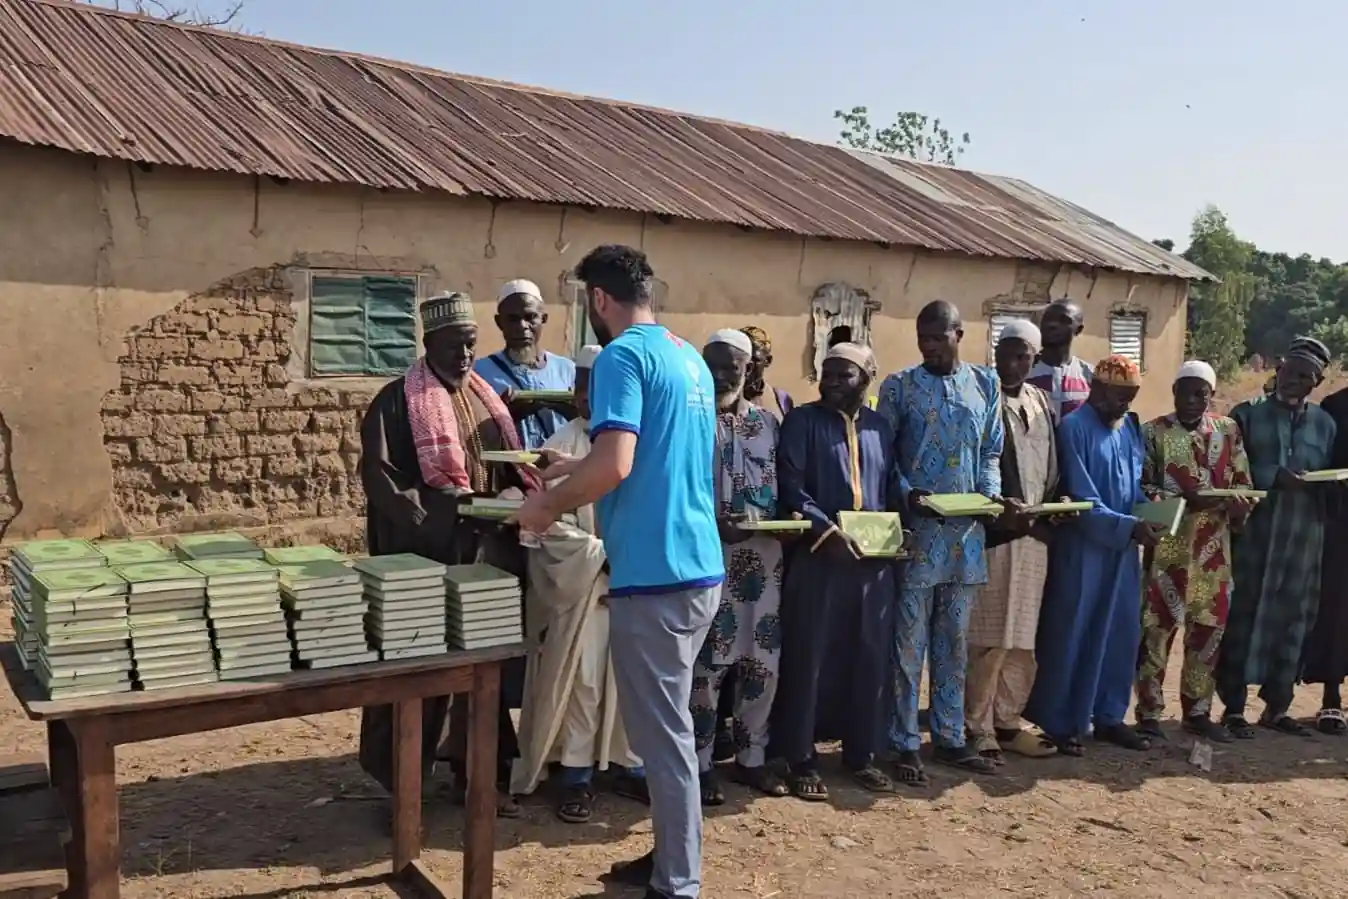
(911, 134)
(1218, 312)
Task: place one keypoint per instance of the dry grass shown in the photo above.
(1249, 384)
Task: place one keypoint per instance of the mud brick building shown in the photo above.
(213, 245)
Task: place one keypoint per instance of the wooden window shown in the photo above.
(361, 325)
(1128, 335)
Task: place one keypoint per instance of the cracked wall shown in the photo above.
(145, 320)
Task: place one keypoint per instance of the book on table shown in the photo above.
(133, 552)
(1168, 513)
(325, 607)
(402, 591)
(298, 555)
(78, 620)
(216, 545)
(483, 607)
(247, 622)
(170, 634)
(961, 505)
(878, 534)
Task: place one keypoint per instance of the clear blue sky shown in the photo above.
(1139, 110)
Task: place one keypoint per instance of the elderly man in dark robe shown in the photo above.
(422, 441)
(835, 455)
(1326, 658)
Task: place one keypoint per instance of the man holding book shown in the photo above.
(947, 415)
(1190, 454)
(1278, 555)
(1326, 658)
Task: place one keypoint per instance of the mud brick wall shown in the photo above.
(206, 429)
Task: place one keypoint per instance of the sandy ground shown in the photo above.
(283, 810)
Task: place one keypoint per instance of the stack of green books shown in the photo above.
(223, 545)
(243, 608)
(484, 607)
(132, 552)
(30, 558)
(81, 620)
(325, 609)
(406, 598)
(170, 636)
(301, 555)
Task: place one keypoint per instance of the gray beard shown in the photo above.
(527, 355)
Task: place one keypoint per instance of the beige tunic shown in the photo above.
(1005, 613)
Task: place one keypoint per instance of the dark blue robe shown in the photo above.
(837, 610)
(1091, 620)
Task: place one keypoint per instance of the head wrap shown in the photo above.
(730, 337)
(588, 353)
(446, 310)
(759, 338)
(1023, 329)
(1119, 371)
(1311, 350)
(858, 355)
(1195, 368)
(519, 285)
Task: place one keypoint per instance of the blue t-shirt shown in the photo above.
(659, 525)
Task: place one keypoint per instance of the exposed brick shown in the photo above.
(242, 325)
(287, 422)
(223, 447)
(276, 375)
(238, 471)
(241, 422)
(160, 449)
(179, 425)
(319, 397)
(269, 444)
(329, 421)
(184, 374)
(162, 401)
(160, 347)
(118, 402)
(186, 472)
(217, 349)
(270, 399)
(318, 443)
(289, 466)
(330, 464)
(134, 425)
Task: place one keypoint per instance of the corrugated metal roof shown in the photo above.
(88, 80)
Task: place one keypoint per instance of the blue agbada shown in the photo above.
(1090, 623)
(836, 609)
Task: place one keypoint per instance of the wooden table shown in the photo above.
(82, 734)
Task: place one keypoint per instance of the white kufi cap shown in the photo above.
(1197, 369)
(520, 285)
(733, 337)
(1023, 329)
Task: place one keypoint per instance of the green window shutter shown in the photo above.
(362, 325)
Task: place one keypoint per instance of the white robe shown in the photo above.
(570, 698)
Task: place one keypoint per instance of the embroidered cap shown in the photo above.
(447, 310)
(1119, 371)
(858, 355)
(1312, 350)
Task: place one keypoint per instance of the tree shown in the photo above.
(912, 134)
(1165, 243)
(224, 17)
(1217, 312)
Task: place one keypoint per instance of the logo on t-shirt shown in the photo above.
(699, 397)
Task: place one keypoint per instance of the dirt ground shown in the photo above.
(283, 809)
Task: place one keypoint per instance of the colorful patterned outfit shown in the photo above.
(1067, 385)
(1277, 556)
(949, 440)
(1005, 614)
(1189, 581)
(746, 635)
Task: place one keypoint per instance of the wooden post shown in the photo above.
(96, 837)
(406, 783)
(480, 837)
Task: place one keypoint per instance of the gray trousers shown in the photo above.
(655, 640)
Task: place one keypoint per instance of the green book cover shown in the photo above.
(961, 505)
(879, 534)
(399, 566)
(474, 578)
(234, 571)
(161, 573)
(769, 526)
(553, 395)
(1233, 493)
(518, 457)
(224, 543)
(317, 574)
(1325, 476)
(41, 554)
(299, 555)
(1168, 513)
(1056, 508)
(77, 583)
(133, 552)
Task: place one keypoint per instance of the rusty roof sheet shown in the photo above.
(89, 80)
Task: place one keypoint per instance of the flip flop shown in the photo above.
(576, 806)
(1331, 721)
(964, 758)
(808, 786)
(872, 779)
(710, 788)
(1286, 724)
(1031, 745)
(1238, 726)
(987, 746)
(909, 771)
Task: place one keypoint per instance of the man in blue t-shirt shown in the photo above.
(650, 476)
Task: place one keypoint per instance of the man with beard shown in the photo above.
(653, 423)
(835, 455)
(422, 441)
(1278, 556)
(746, 635)
(1326, 658)
(1064, 377)
(522, 365)
(947, 416)
(570, 711)
(1005, 614)
(1188, 581)
(1089, 626)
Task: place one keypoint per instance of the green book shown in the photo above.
(1325, 476)
(133, 552)
(556, 396)
(879, 534)
(211, 546)
(317, 575)
(1168, 513)
(1066, 508)
(159, 576)
(477, 578)
(234, 571)
(1233, 493)
(299, 555)
(786, 526)
(77, 583)
(46, 554)
(517, 457)
(400, 566)
(961, 505)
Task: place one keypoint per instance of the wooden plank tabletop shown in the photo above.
(39, 708)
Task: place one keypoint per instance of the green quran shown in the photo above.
(517, 457)
(879, 534)
(774, 526)
(1168, 513)
(1233, 493)
(545, 396)
(1067, 508)
(1326, 476)
(961, 505)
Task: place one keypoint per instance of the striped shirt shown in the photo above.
(1067, 385)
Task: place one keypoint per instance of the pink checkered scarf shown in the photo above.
(435, 427)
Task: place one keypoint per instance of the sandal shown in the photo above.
(909, 769)
(872, 779)
(1151, 729)
(1068, 746)
(761, 778)
(1031, 745)
(808, 786)
(1238, 726)
(1331, 721)
(1123, 736)
(964, 758)
(710, 785)
(631, 787)
(988, 747)
(1203, 726)
(577, 805)
(1286, 724)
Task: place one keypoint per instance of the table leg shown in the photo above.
(406, 783)
(480, 825)
(97, 854)
(64, 776)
